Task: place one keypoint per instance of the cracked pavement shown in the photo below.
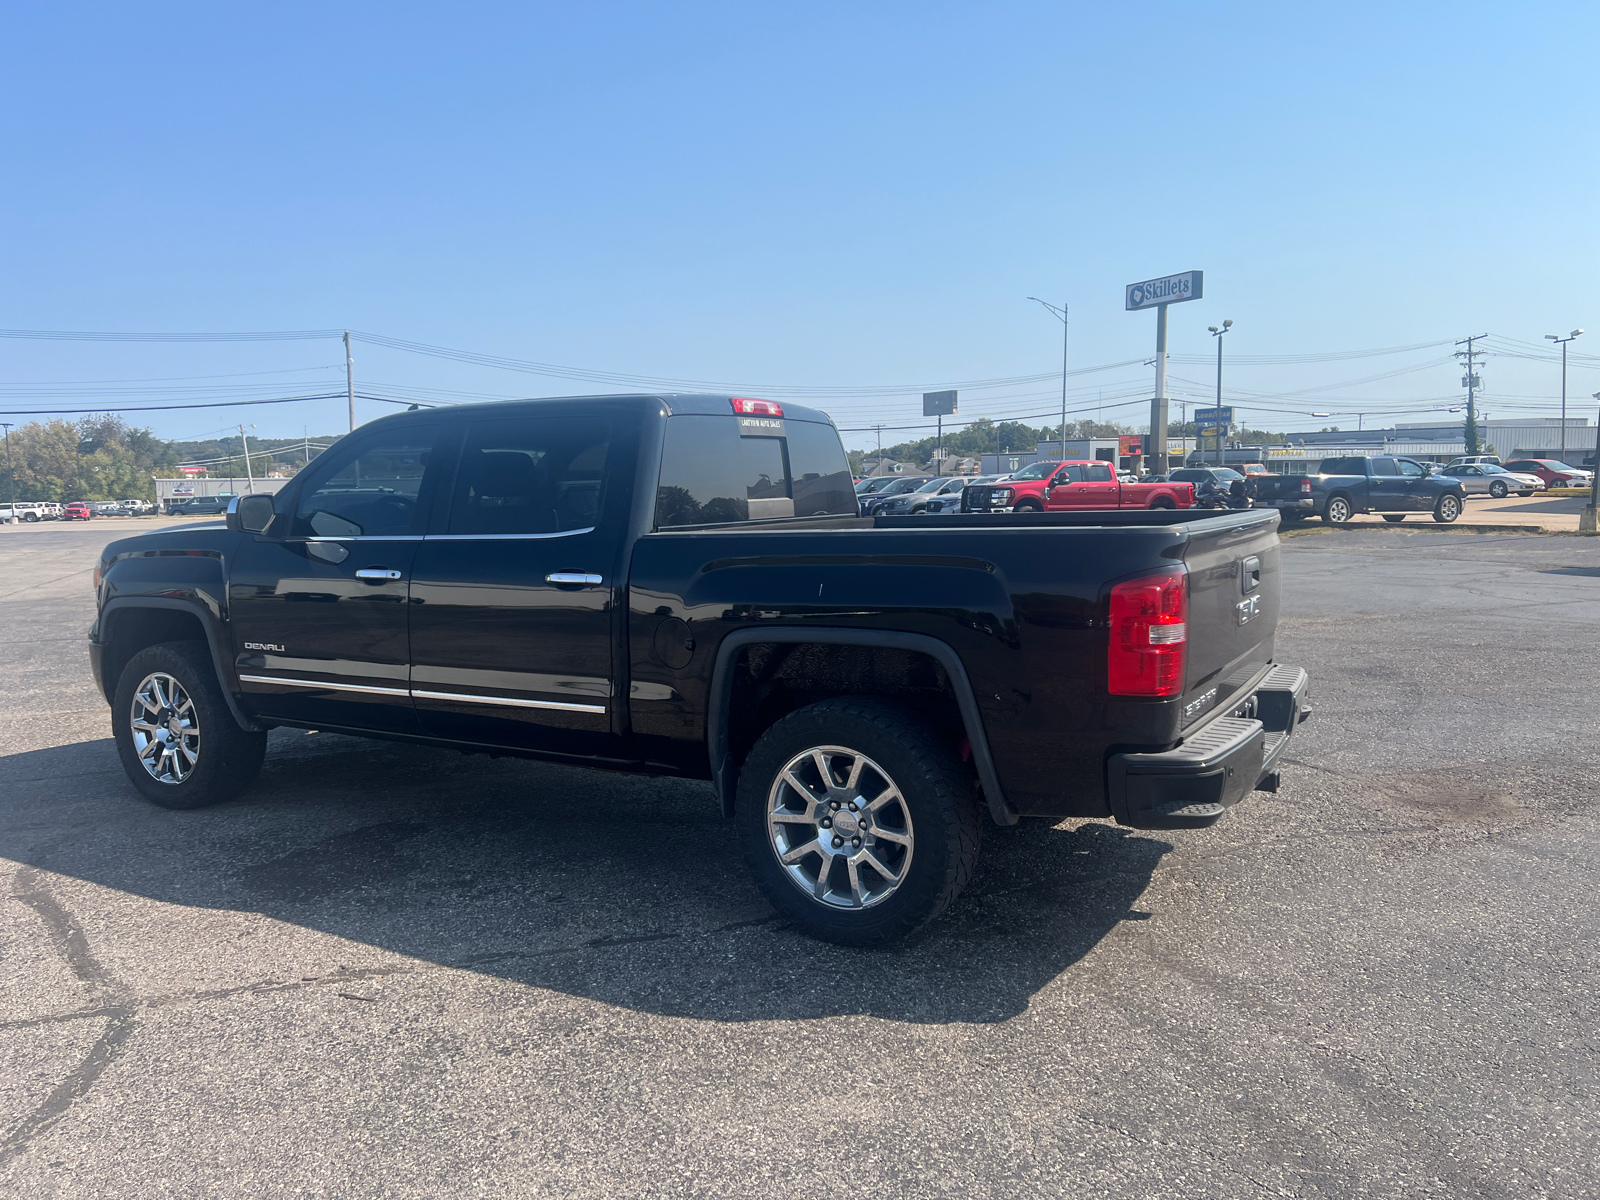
(392, 971)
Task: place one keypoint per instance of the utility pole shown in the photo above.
(1471, 383)
(350, 379)
(879, 428)
(1589, 519)
(1060, 314)
(1562, 342)
(249, 475)
(11, 472)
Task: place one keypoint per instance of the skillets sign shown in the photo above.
(1174, 289)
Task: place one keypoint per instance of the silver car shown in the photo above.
(1487, 479)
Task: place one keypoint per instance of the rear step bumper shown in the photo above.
(1190, 786)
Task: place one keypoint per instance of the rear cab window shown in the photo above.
(1343, 466)
(719, 469)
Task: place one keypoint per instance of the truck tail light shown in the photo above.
(1149, 635)
(757, 408)
(1305, 486)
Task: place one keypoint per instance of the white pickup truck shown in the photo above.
(23, 510)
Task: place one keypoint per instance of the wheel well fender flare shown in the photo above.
(219, 660)
(725, 773)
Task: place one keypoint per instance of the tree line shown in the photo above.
(104, 458)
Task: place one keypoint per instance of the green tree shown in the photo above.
(98, 458)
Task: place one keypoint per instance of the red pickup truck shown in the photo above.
(1071, 486)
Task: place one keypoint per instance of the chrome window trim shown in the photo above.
(466, 698)
(354, 537)
(504, 537)
(323, 683)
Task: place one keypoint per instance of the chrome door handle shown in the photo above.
(376, 573)
(582, 577)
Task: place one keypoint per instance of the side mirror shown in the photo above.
(250, 514)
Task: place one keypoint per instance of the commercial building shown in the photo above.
(1522, 437)
(168, 490)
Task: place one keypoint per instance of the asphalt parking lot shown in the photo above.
(394, 971)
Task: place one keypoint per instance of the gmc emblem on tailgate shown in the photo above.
(1248, 610)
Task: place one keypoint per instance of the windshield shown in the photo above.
(1037, 471)
(1227, 474)
(933, 485)
(1559, 466)
(1491, 469)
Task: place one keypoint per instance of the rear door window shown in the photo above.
(530, 475)
(712, 474)
(1098, 473)
(1385, 466)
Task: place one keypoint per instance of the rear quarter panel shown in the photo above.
(1021, 604)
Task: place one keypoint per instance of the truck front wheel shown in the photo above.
(858, 822)
(1447, 509)
(179, 744)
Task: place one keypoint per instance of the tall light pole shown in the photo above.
(1061, 315)
(1562, 342)
(1218, 334)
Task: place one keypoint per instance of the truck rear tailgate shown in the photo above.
(1233, 607)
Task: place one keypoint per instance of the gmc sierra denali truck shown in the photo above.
(681, 585)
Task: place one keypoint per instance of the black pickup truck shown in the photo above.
(1343, 487)
(681, 585)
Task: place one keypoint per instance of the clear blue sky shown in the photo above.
(817, 194)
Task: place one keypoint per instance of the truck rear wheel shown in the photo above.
(1339, 510)
(1394, 518)
(858, 822)
(178, 741)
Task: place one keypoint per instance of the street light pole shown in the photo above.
(1562, 342)
(1061, 315)
(1218, 333)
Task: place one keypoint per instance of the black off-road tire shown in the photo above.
(1394, 518)
(940, 796)
(1447, 508)
(1028, 506)
(227, 758)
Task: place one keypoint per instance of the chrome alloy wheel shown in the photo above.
(840, 827)
(166, 729)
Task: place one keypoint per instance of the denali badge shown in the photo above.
(263, 646)
(1248, 610)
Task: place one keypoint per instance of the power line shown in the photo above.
(69, 335)
(55, 412)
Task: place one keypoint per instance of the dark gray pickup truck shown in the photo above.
(1343, 487)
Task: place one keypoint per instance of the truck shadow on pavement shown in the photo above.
(626, 890)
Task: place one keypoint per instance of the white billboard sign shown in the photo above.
(1174, 289)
